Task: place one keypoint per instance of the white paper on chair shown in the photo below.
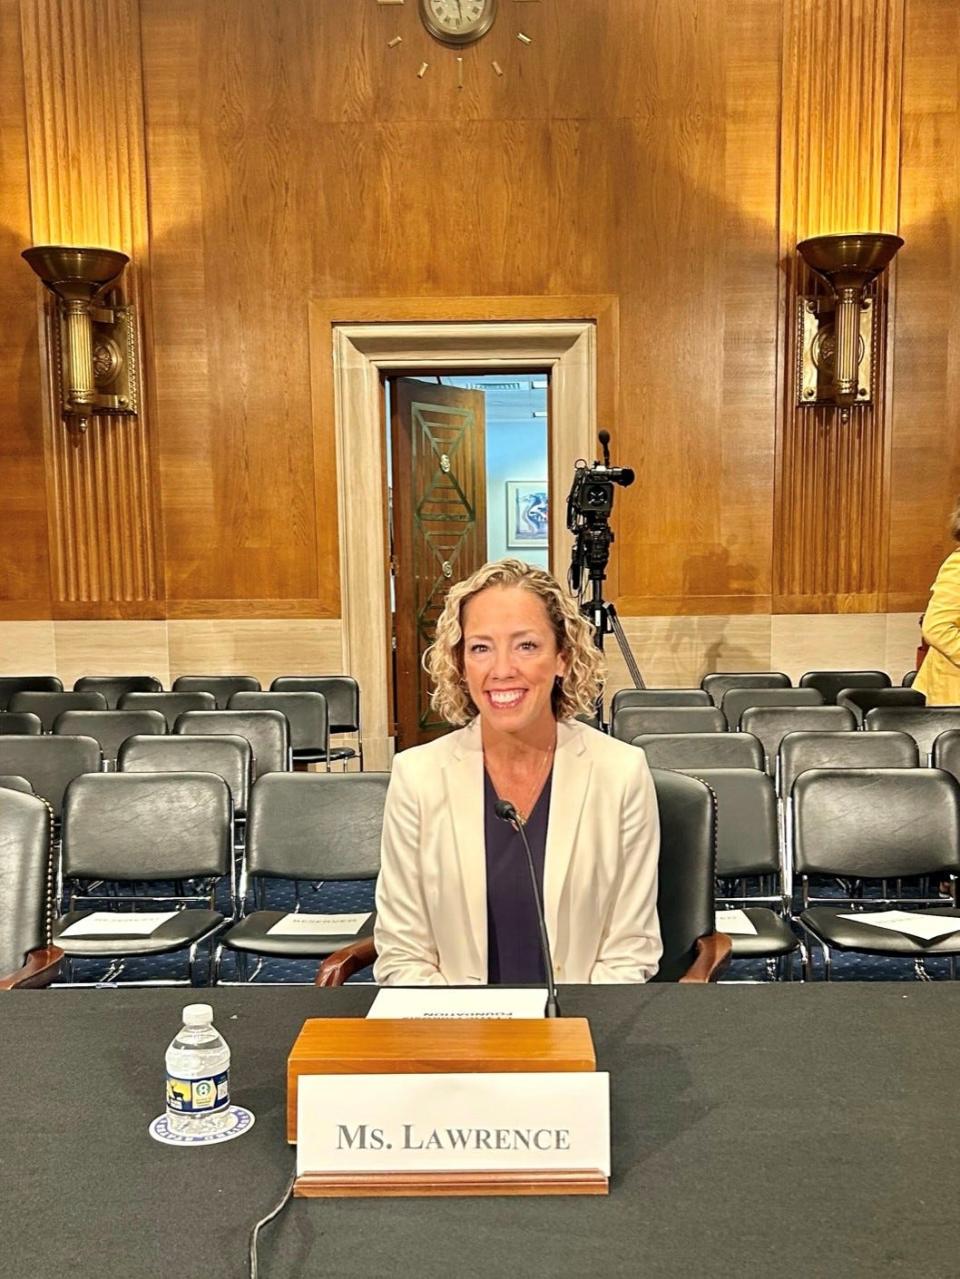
(925, 928)
(734, 922)
(302, 925)
(487, 1003)
(108, 923)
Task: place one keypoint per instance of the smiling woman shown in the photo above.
(513, 662)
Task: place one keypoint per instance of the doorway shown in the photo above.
(467, 474)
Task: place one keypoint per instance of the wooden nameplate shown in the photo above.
(347, 1046)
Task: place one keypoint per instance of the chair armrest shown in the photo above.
(713, 954)
(343, 963)
(42, 966)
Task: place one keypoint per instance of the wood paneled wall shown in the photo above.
(256, 158)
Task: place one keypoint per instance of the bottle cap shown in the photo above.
(197, 1015)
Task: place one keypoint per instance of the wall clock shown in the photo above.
(456, 24)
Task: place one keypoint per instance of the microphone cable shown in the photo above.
(265, 1221)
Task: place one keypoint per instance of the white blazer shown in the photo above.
(600, 869)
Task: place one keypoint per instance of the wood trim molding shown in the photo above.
(85, 155)
(424, 334)
(840, 147)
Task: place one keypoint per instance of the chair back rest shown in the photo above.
(659, 697)
(738, 700)
(770, 724)
(876, 823)
(222, 687)
(862, 700)
(26, 878)
(267, 732)
(341, 691)
(717, 683)
(923, 723)
(49, 763)
(47, 706)
(803, 750)
(686, 869)
(20, 722)
(306, 714)
(10, 781)
(113, 687)
(316, 825)
(701, 750)
(631, 721)
(830, 683)
(748, 840)
(110, 728)
(907, 681)
(147, 826)
(946, 751)
(10, 684)
(170, 705)
(228, 756)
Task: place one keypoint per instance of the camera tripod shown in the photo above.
(603, 617)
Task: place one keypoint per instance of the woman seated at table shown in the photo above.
(513, 662)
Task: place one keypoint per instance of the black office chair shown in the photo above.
(907, 681)
(47, 706)
(170, 705)
(700, 750)
(10, 684)
(28, 957)
(717, 683)
(343, 709)
(923, 723)
(20, 722)
(113, 687)
(228, 756)
(804, 750)
(770, 724)
(49, 763)
(860, 701)
(267, 732)
(170, 834)
(306, 713)
(632, 721)
(879, 824)
(305, 826)
(692, 950)
(659, 697)
(830, 683)
(109, 728)
(738, 700)
(750, 871)
(222, 687)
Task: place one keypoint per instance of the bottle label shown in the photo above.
(198, 1096)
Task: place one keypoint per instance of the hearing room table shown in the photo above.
(800, 1129)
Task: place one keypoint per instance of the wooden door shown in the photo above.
(439, 528)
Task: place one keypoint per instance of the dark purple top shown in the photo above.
(513, 938)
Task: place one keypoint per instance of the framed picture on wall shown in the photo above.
(528, 520)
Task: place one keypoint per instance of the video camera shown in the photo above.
(589, 505)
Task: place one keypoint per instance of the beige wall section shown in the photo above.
(108, 648)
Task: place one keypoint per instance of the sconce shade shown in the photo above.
(75, 274)
(849, 261)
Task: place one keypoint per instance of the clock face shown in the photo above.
(458, 21)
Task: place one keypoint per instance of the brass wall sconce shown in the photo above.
(837, 333)
(95, 342)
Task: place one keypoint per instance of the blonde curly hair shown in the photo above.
(576, 691)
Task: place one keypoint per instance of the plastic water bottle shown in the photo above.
(198, 1075)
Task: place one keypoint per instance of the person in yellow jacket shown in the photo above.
(939, 676)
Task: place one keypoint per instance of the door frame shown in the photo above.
(354, 342)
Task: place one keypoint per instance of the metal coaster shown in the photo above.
(237, 1121)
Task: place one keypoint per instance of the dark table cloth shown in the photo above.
(757, 1130)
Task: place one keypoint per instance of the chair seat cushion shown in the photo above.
(849, 934)
(186, 927)
(774, 936)
(309, 755)
(252, 934)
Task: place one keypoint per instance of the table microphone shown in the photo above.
(507, 813)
